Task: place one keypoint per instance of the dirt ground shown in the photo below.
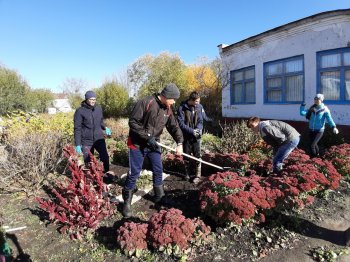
(293, 237)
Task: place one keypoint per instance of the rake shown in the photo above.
(194, 158)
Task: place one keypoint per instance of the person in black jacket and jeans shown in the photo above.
(147, 120)
(190, 117)
(88, 130)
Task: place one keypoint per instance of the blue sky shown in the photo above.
(48, 41)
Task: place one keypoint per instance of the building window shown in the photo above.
(333, 75)
(284, 80)
(243, 86)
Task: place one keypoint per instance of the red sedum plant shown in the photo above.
(228, 197)
(339, 155)
(170, 228)
(173, 163)
(167, 231)
(239, 162)
(132, 238)
(78, 204)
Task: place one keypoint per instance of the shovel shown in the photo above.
(194, 158)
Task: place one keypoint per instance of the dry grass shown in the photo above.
(29, 160)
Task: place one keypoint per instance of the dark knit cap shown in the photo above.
(90, 94)
(170, 91)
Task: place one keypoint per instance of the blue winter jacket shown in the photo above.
(318, 115)
(88, 124)
(190, 118)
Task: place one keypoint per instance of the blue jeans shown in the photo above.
(136, 158)
(283, 152)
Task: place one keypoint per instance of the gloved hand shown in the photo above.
(152, 144)
(335, 131)
(303, 104)
(108, 132)
(197, 133)
(78, 150)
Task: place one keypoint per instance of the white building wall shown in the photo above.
(61, 105)
(304, 39)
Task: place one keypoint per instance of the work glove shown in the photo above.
(335, 131)
(108, 131)
(152, 144)
(197, 133)
(78, 150)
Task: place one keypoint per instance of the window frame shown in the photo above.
(243, 82)
(283, 77)
(342, 68)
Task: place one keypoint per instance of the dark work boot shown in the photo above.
(158, 193)
(127, 197)
(160, 200)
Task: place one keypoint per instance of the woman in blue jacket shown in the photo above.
(317, 115)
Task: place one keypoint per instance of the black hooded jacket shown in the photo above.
(88, 124)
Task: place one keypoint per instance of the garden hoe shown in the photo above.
(194, 158)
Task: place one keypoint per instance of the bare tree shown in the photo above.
(76, 86)
(74, 89)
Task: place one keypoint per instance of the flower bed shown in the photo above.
(228, 197)
(167, 231)
(340, 157)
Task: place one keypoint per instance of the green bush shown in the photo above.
(119, 127)
(38, 100)
(210, 142)
(13, 89)
(20, 124)
(113, 99)
(120, 151)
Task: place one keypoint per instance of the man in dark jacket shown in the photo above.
(281, 136)
(147, 121)
(88, 130)
(190, 117)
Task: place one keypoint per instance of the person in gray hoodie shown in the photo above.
(281, 136)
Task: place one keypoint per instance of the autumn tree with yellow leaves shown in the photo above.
(149, 74)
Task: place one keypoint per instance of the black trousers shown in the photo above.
(101, 148)
(192, 147)
(315, 137)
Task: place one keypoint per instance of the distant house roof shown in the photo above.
(223, 48)
(60, 96)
